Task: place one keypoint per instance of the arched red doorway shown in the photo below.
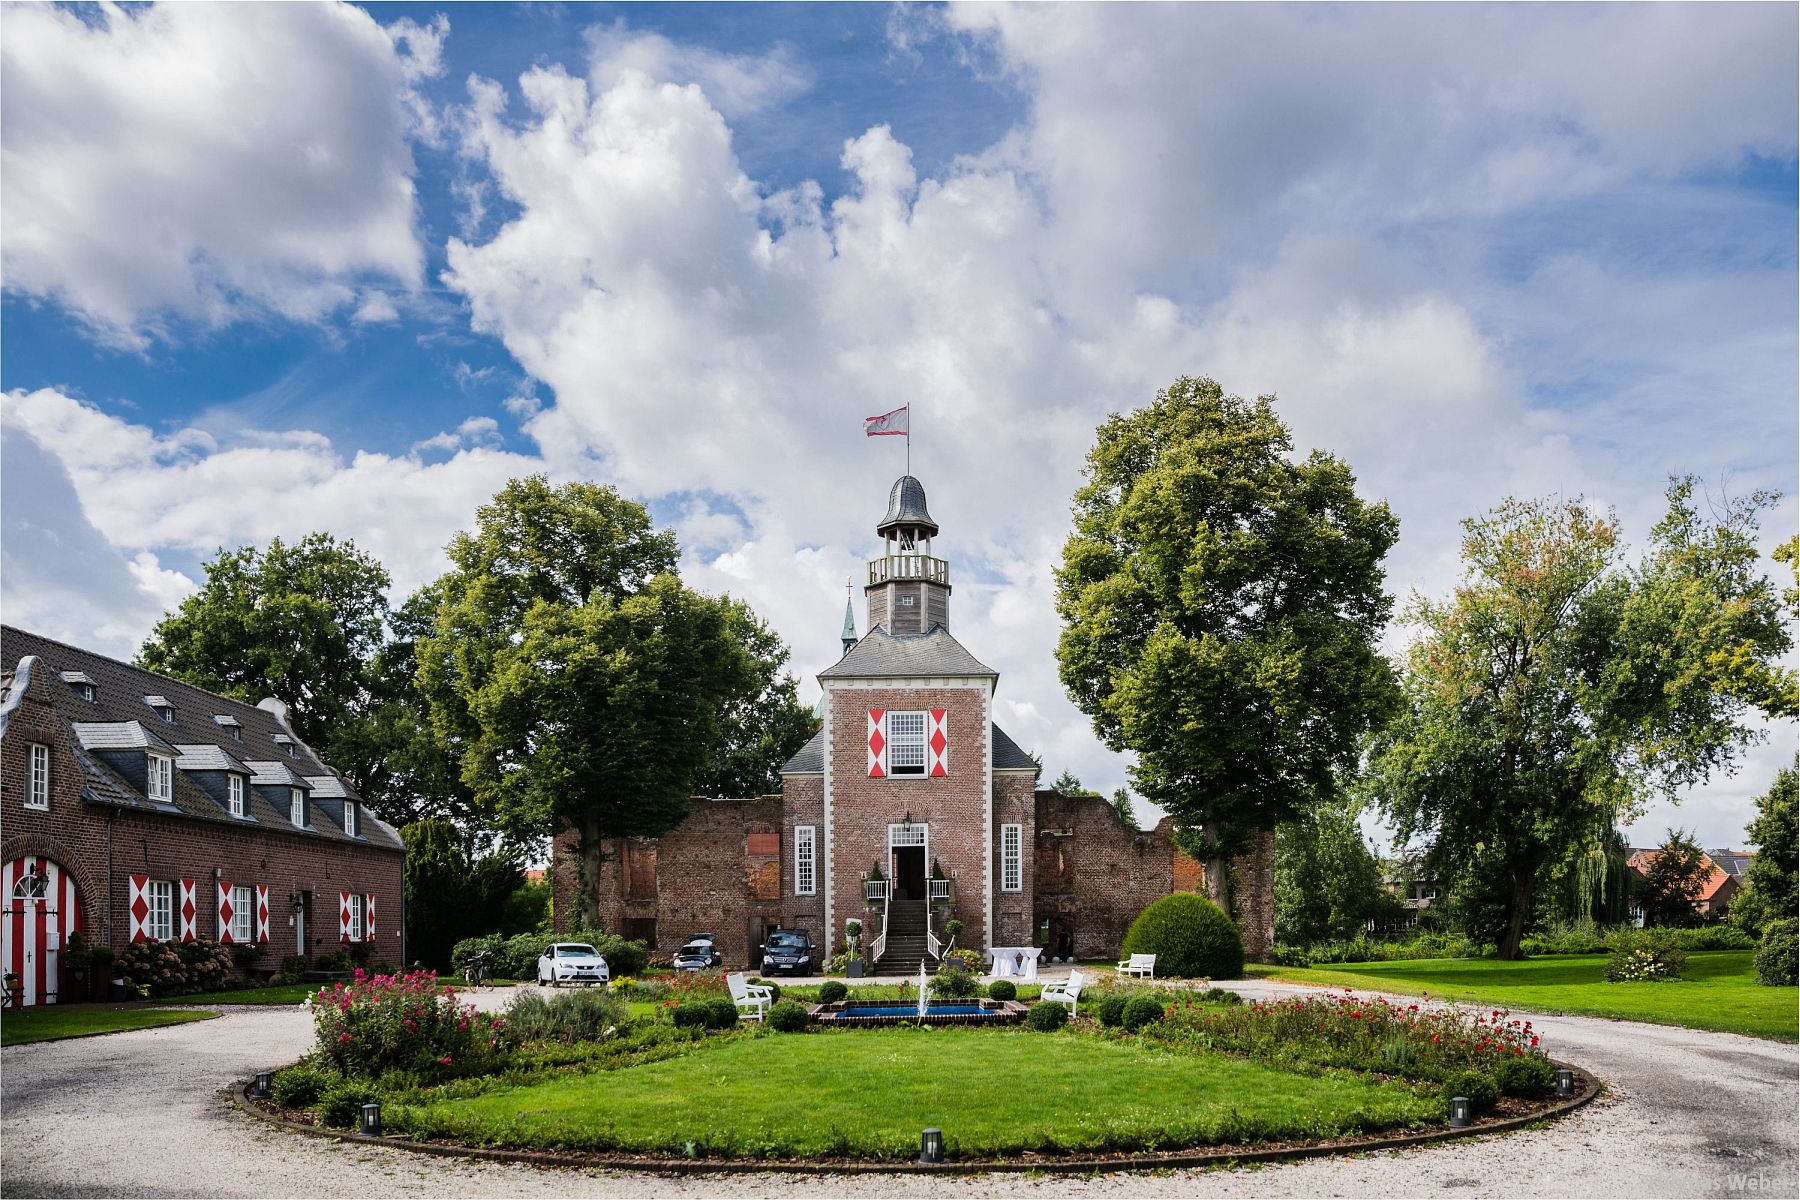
(42, 908)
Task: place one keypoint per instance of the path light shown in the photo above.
(1565, 1082)
(260, 1089)
(931, 1146)
(1459, 1113)
(371, 1120)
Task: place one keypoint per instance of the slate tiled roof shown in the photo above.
(810, 758)
(274, 774)
(327, 787)
(928, 655)
(209, 758)
(118, 702)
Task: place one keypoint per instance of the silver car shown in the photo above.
(571, 962)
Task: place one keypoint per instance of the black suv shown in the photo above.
(787, 950)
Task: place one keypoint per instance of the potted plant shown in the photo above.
(77, 958)
(852, 933)
(100, 966)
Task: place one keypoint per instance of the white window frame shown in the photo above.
(806, 860)
(37, 777)
(159, 903)
(898, 739)
(1012, 858)
(234, 794)
(161, 778)
(297, 807)
(352, 818)
(356, 917)
(243, 914)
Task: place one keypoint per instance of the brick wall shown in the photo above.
(103, 846)
(953, 807)
(1015, 803)
(1095, 873)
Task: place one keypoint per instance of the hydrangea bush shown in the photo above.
(380, 1023)
(176, 968)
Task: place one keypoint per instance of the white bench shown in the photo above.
(752, 999)
(1065, 993)
(1141, 965)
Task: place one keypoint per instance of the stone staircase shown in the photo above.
(905, 948)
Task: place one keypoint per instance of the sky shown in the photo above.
(277, 268)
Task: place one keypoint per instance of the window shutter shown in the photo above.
(139, 907)
(188, 912)
(369, 918)
(343, 916)
(262, 912)
(877, 743)
(938, 743)
(224, 911)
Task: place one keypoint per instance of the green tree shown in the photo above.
(1674, 880)
(302, 622)
(1121, 802)
(577, 683)
(1558, 688)
(1069, 785)
(452, 891)
(763, 724)
(1220, 605)
(1771, 889)
(1328, 883)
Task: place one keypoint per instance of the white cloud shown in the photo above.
(197, 162)
(476, 431)
(736, 84)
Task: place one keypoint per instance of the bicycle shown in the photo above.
(475, 970)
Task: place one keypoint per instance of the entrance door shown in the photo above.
(909, 872)
(41, 910)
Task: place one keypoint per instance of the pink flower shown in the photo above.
(343, 1037)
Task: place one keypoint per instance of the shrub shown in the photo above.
(1712, 937)
(1224, 997)
(721, 1013)
(968, 960)
(837, 964)
(292, 968)
(583, 1016)
(1002, 989)
(774, 988)
(831, 991)
(789, 1017)
(341, 1104)
(1645, 955)
(334, 960)
(301, 1085)
(1478, 1086)
(379, 1023)
(1110, 1010)
(955, 983)
(1529, 1076)
(1400, 1054)
(1141, 1011)
(691, 1015)
(1047, 1018)
(517, 957)
(1778, 954)
(176, 968)
(1190, 936)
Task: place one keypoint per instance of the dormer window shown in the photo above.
(161, 778)
(350, 818)
(163, 708)
(297, 807)
(287, 744)
(234, 794)
(231, 725)
(82, 683)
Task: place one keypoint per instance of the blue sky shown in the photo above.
(272, 268)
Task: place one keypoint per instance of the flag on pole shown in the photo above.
(888, 424)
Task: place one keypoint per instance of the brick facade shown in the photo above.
(102, 844)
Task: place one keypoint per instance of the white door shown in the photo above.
(41, 908)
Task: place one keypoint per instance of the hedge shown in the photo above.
(517, 957)
(1190, 936)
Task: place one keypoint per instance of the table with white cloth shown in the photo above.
(1015, 960)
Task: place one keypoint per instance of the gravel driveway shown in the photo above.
(138, 1114)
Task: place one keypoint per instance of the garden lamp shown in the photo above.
(1565, 1082)
(260, 1089)
(371, 1120)
(1459, 1113)
(931, 1146)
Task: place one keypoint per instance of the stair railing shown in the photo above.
(878, 947)
(931, 939)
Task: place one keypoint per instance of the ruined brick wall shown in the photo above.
(1095, 874)
(1015, 803)
(954, 807)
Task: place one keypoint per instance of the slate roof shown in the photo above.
(210, 758)
(915, 655)
(274, 774)
(810, 758)
(118, 702)
(906, 506)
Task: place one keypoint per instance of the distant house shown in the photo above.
(1723, 880)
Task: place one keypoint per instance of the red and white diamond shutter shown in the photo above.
(877, 743)
(139, 907)
(938, 743)
(343, 916)
(262, 912)
(224, 911)
(368, 918)
(188, 912)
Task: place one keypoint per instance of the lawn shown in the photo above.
(284, 993)
(868, 1093)
(47, 1024)
(1719, 990)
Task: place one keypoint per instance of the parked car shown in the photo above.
(572, 962)
(699, 954)
(788, 950)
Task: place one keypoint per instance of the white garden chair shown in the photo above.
(1068, 993)
(1141, 965)
(752, 999)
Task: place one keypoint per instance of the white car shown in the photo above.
(571, 962)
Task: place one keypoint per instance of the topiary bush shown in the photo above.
(789, 1017)
(1778, 954)
(774, 988)
(341, 1104)
(692, 1015)
(1002, 989)
(1110, 1009)
(721, 1013)
(1478, 1086)
(1528, 1076)
(1047, 1017)
(1190, 936)
(1141, 1011)
(831, 991)
(569, 1017)
(301, 1085)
